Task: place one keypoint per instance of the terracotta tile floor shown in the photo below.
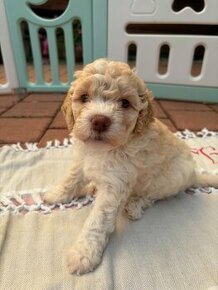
(37, 117)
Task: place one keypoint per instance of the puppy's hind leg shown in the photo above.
(89, 188)
(136, 206)
(206, 180)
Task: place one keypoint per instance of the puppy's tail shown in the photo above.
(206, 180)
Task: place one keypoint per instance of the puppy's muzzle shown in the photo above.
(100, 123)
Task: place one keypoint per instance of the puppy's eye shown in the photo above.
(84, 98)
(125, 103)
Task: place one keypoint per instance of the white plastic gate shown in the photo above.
(8, 65)
(177, 81)
(124, 13)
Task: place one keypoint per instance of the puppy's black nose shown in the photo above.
(100, 123)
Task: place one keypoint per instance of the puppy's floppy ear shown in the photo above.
(146, 115)
(67, 110)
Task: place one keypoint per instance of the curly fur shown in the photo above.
(135, 161)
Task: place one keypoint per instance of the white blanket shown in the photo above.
(174, 245)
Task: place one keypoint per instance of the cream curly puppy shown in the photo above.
(130, 158)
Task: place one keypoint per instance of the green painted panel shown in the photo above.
(68, 37)
(187, 93)
(19, 55)
(100, 25)
(52, 46)
(36, 51)
(18, 11)
(47, 88)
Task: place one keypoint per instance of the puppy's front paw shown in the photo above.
(82, 259)
(56, 195)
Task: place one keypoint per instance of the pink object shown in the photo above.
(44, 47)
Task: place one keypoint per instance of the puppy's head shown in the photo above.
(107, 104)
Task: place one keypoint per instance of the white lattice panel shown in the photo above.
(182, 47)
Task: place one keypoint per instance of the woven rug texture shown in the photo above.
(174, 245)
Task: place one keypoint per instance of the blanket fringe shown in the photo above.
(68, 142)
(32, 147)
(186, 134)
(26, 202)
(31, 201)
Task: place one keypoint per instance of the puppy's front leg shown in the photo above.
(69, 188)
(87, 252)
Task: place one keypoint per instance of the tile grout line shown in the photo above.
(48, 127)
(167, 114)
(13, 105)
